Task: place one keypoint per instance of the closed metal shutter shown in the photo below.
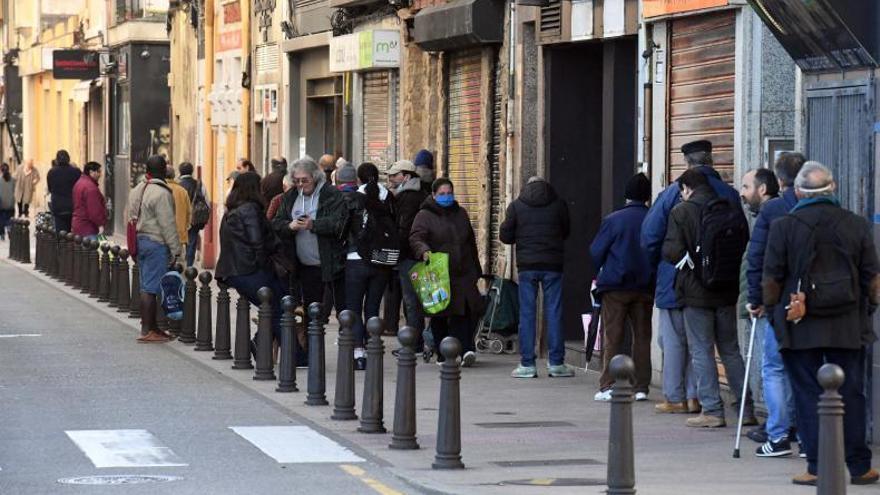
(839, 135)
(463, 134)
(701, 92)
(550, 26)
(379, 119)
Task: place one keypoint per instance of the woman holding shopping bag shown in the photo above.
(443, 226)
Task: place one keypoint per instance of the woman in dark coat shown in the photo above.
(441, 225)
(247, 243)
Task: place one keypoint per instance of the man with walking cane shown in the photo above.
(821, 283)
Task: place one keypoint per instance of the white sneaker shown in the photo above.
(602, 396)
(641, 396)
(470, 357)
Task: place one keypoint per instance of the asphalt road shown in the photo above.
(79, 398)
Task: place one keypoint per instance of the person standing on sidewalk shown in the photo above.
(182, 210)
(60, 181)
(151, 205)
(408, 196)
(311, 224)
(273, 184)
(196, 193)
(327, 163)
(371, 215)
(821, 282)
(625, 285)
(26, 179)
(679, 381)
(706, 239)
(7, 199)
(424, 162)
(537, 222)
(89, 207)
(760, 193)
(442, 225)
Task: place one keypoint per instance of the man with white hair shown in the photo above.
(310, 222)
(821, 282)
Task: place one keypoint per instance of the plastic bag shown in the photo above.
(431, 283)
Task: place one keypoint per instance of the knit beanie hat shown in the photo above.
(424, 158)
(346, 174)
(638, 188)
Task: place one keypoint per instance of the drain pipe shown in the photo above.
(511, 122)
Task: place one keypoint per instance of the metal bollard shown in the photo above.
(403, 436)
(123, 300)
(372, 403)
(317, 370)
(70, 256)
(287, 348)
(11, 231)
(448, 454)
(831, 466)
(343, 400)
(84, 276)
(223, 337)
(242, 351)
(94, 268)
(104, 281)
(76, 275)
(265, 367)
(203, 335)
(62, 256)
(25, 241)
(188, 326)
(134, 309)
(51, 252)
(621, 470)
(114, 276)
(38, 233)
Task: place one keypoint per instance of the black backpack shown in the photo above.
(721, 242)
(830, 279)
(378, 241)
(201, 210)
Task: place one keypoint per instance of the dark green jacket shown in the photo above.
(329, 226)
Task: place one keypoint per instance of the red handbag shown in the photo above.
(131, 228)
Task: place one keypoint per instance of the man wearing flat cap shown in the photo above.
(679, 380)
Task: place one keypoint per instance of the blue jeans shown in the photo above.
(802, 367)
(364, 285)
(191, 246)
(152, 259)
(777, 389)
(551, 283)
(248, 286)
(679, 382)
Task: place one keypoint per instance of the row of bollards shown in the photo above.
(19, 240)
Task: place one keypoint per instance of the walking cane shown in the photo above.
(742, 400)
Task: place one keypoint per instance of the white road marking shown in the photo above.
(16, 335)
(295, 444)
(123, 448)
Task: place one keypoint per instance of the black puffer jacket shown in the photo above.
(409, 198)
(538, 223)
(246, 242)
(60, 181)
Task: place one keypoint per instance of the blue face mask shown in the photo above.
(445, 200)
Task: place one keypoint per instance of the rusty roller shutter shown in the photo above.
(463, 134)
(378, 133)
(701, 92)
(495, 207)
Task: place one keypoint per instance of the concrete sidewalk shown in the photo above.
(524, 436)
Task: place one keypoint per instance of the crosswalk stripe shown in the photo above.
(17, 335)
(295, 444)
(123, 448)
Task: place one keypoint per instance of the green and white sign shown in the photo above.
(365, 50)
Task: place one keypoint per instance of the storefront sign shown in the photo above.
(232, 13)
(654, 8)
(74, 64)
(374, 49)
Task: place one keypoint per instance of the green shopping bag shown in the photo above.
(431, 282)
